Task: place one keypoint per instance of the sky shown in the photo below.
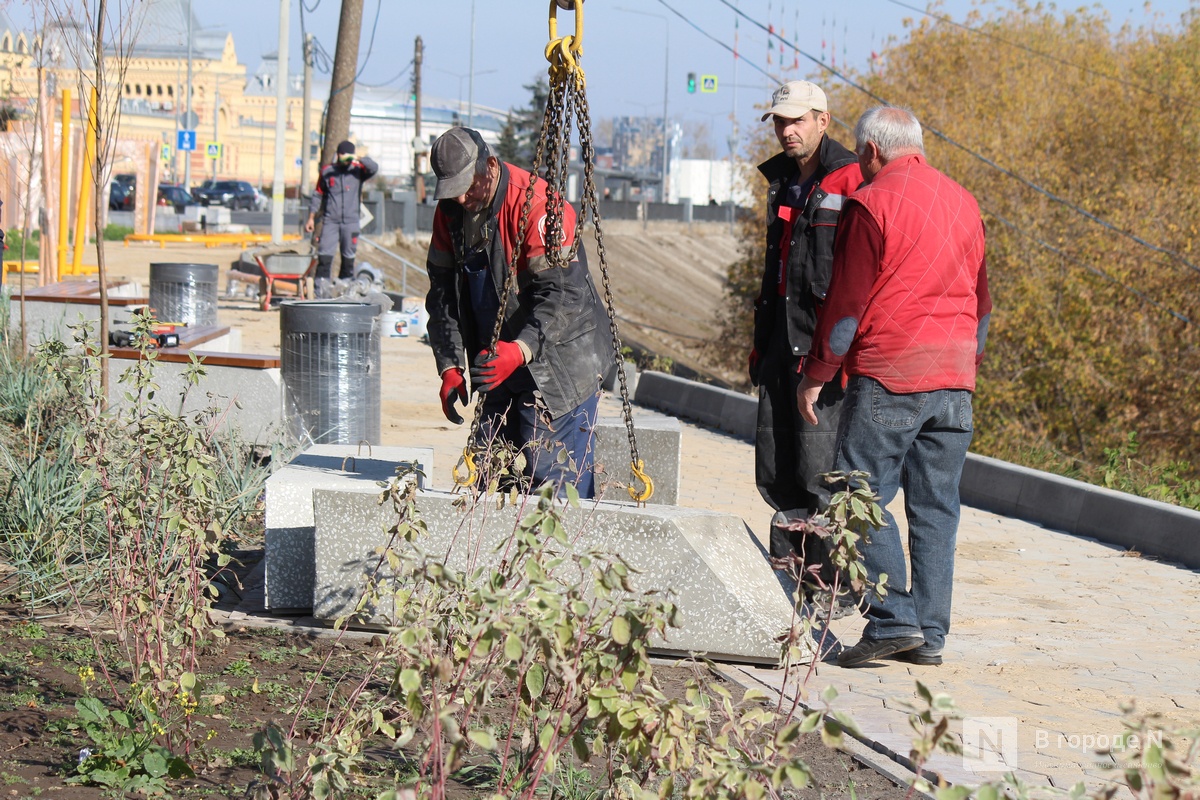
(634, 51)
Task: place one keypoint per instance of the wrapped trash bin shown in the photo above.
(184, 293)
(330, 364)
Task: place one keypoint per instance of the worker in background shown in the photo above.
(808, 182)
(540, 388)
(337, 199)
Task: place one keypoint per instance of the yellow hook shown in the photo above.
(467, 460)
(639, 472)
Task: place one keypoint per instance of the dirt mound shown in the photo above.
(667, 281)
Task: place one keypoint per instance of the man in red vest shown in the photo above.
(906, 319)
(808, 183)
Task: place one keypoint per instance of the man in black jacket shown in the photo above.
(541, 385)
(809, 181)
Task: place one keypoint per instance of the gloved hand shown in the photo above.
(453, 382)
(490, 371)
(755, 358)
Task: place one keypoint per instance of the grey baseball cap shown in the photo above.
(453, 157)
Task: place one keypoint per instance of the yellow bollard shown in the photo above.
(81, 215)
(64, 182)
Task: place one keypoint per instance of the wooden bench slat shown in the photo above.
(180, 355)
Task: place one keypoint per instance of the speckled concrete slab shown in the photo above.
(289, 509)
(732, 605)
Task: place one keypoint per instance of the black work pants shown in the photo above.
(790, 454)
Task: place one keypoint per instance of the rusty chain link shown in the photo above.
(567, 99)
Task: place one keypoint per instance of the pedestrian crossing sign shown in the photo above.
(708, 83)
(212, 149)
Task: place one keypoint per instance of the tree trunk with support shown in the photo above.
(345, 68)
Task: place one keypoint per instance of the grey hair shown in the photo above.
(894, 130)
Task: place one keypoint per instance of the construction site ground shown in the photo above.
(1051, 633)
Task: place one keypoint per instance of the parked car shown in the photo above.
(233, 194)
(175, 196)
(120, 196)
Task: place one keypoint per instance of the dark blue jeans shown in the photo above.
(511, 413)
(918, 441)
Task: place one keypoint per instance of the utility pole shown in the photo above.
(216, 131)
(281, 109)
(306, 116)
(418, 142)
(187, 106)
(341, 89)
(471, 73)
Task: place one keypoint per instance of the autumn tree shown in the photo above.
(1078, 143)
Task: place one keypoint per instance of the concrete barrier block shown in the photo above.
(732, 605)
(289, 550)
(723, 409)
(251, 400)
(988, 484)
(1137, 523)
(1052, 500)
(659, 440)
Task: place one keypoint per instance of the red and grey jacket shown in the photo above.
(339, 190)
(909, 303)
(556, 313)
(806, 254)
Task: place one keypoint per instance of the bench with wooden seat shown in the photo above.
(120, 293)
(247, 388)
(52, 310)
(190, 337)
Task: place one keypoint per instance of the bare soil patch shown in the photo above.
(254, 676)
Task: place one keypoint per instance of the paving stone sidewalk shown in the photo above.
(1050, 635)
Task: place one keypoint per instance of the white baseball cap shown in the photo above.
(795, 99)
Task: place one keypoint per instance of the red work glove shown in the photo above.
(492, 370)
(753, 366)
(453, 383)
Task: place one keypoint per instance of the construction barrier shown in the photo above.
(207, 239)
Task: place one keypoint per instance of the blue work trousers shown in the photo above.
(918, 441)
(511, 413)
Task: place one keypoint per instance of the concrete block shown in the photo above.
(251, 399)
(732, 605)
(1147, 526)
(987, 484)
(659, 440)
(289, 551)
(723, 409)
(1056, 501)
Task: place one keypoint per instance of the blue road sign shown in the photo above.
(185, 140)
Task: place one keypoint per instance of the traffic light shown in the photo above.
(691, 83)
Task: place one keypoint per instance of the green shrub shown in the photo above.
(15, 239)
(116, 233)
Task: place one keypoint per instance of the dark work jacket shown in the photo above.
(556, 311)
(810, 257)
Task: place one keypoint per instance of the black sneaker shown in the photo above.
(868, 650)
(924, 656)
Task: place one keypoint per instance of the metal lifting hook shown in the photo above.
(468, 461)
(639, 472)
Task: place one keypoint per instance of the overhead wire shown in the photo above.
(1177, 256)
(1092, 269)
(947, 139)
